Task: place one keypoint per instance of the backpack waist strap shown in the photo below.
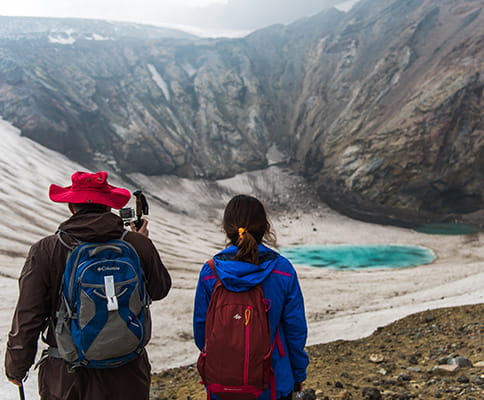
(53, 352)
(49, 352)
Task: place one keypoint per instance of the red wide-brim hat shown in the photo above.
(90, 188)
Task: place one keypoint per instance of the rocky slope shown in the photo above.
(405, 132)
(436, 354)
(380, 107)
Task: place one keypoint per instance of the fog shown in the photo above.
(203, 17)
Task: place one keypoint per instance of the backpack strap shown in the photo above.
(272, 385)
(278, 342)
(272, 379)
(76, 241)
(211, 264)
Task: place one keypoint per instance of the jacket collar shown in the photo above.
(239, 276)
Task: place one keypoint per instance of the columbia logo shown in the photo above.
(105, 268)
(237, 316)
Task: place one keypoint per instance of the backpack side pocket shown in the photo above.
(65, 344)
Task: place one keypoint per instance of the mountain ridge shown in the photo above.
(15, 28)
(378, 108)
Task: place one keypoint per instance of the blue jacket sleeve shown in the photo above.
(295, 329)
(202, 299)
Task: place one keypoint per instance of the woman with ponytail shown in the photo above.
(245, 263)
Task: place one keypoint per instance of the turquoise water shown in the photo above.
(359, 257)
(448, 229)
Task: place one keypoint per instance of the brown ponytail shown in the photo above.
(246, 226)
(247, 247)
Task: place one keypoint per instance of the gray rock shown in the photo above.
(371, 394)
(307, 394)
(413, 360)
(460, 361)
(478, 380)
(445, 369)
(404, 377)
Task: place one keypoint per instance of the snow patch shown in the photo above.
(121, 131)
(159, 81)
(209, 32)
(189, 69)
(97, 37)
(346, 5)
(62, 37)
(275, 156)
(254, 122)
(62, 40)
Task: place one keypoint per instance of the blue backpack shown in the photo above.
(103, 320)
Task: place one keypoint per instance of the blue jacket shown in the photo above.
(281, 288)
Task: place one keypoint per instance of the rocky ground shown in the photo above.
(436, 354)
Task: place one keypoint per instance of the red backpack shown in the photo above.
(236, 361)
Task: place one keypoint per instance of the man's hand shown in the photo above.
(143, 230)
(15, 382)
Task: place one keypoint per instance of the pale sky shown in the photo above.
(216, 15)
(103, 9)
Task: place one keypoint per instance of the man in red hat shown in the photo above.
(90, 199)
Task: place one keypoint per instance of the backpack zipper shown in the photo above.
(248, 312)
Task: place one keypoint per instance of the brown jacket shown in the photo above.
(38, 300)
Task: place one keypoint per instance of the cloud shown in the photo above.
(234, 15)
(254, 14)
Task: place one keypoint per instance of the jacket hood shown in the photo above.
(239, 276)
(92, 227)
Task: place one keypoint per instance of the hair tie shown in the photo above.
(241, 232)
